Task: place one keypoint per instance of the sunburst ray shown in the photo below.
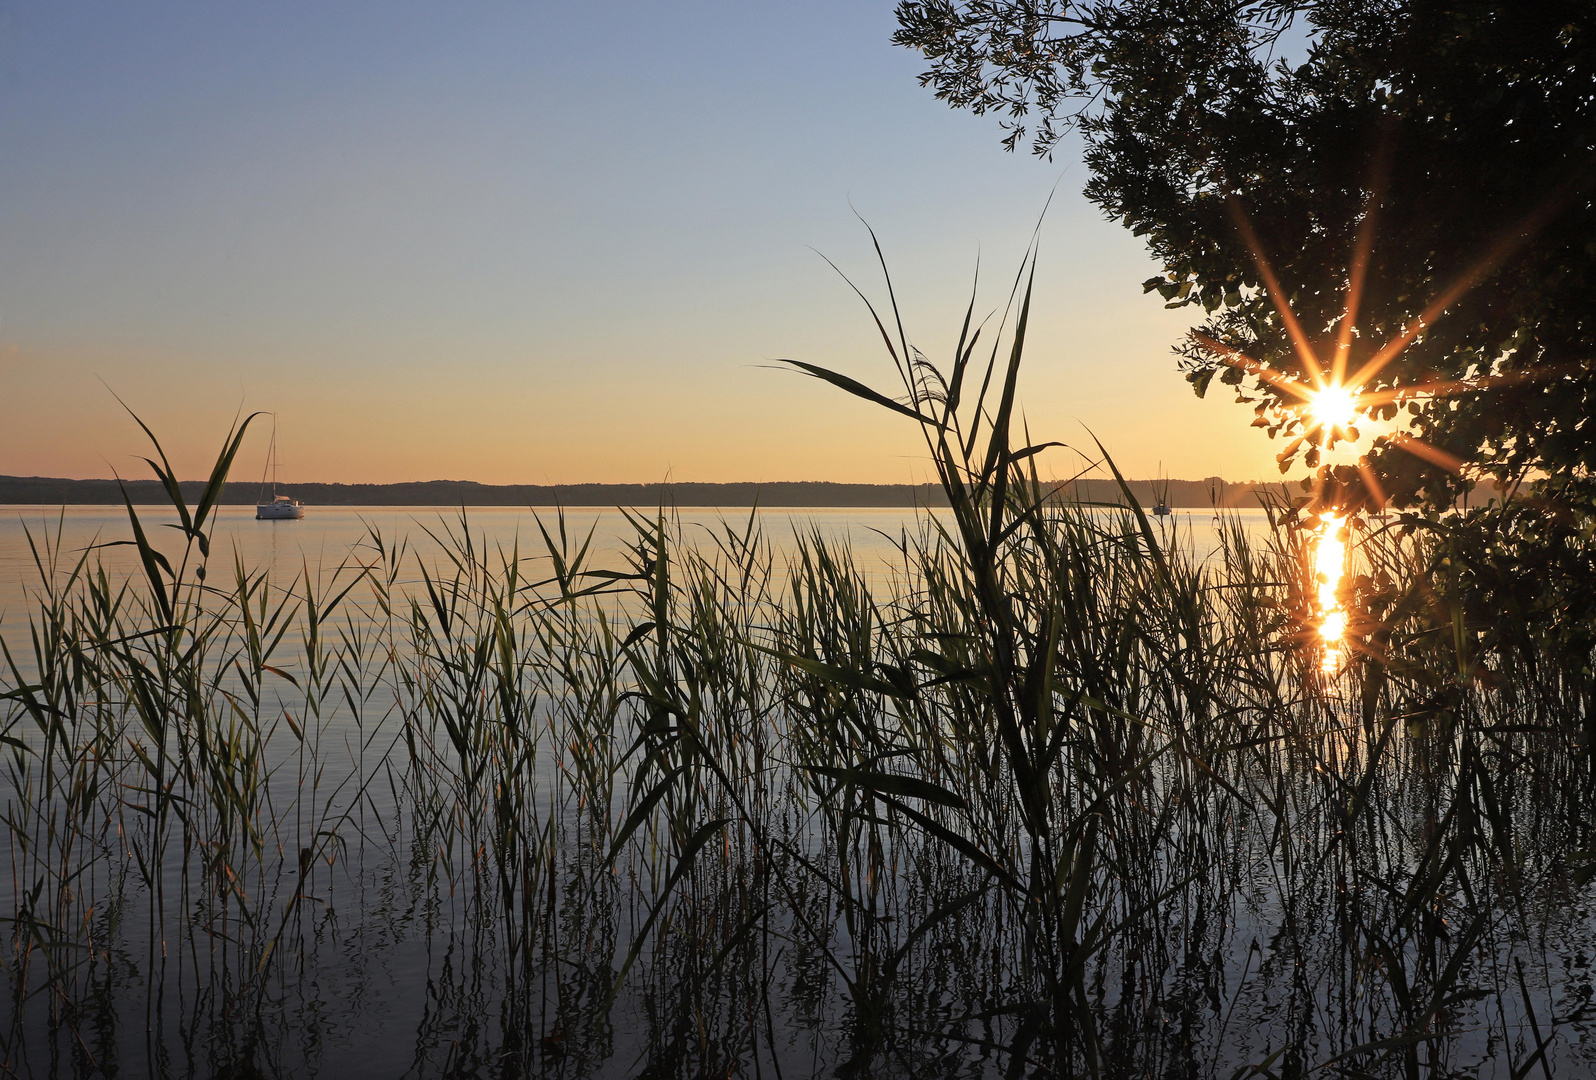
(1288, 318)
(1331, 406)
(1362, 246)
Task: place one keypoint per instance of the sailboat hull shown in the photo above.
(278, 511)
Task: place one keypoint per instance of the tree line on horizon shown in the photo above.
(50, 491)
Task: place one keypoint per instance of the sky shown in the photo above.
(535, 243)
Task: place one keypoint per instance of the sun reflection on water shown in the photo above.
(1329, 563)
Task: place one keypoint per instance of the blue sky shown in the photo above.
(531, 243)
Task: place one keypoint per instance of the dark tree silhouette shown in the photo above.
(1427, 165)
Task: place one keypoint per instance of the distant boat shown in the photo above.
(1161, 498)
(270, 506)
(280, 507)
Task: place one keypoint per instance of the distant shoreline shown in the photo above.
(51, 491)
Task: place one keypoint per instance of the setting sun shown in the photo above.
(1334, 407)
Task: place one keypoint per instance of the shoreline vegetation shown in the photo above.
(1211, 492)
(1059, 798)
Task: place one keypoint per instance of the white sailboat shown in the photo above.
(1161, 493)
(272, 506)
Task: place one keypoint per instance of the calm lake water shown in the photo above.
(330, 536)
(387, 971)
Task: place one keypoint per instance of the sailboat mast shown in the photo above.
(275, 507)
(270, 467)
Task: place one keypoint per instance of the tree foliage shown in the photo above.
(1447, 149)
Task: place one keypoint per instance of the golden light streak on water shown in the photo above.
(1329, 563)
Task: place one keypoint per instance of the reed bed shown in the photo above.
(1058, 797)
